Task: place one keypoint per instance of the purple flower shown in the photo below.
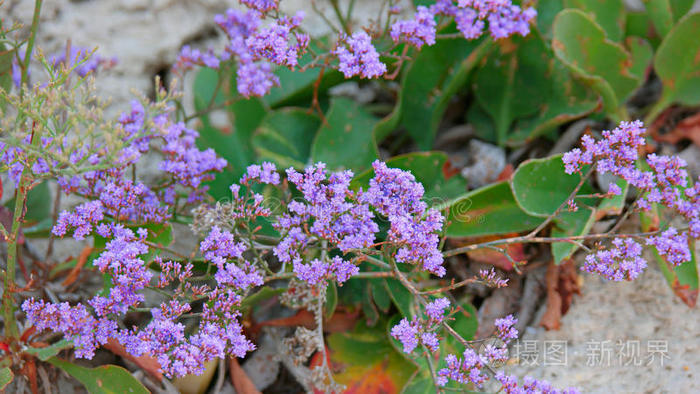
(530, 385)
(267, 173)
(86, 215)
(505, 329)
(672, 245)
(463, 370)
(418, 31)
(273, 44)
(436, 309)
(255, 79)
(407, 333)
(490, 279)
(358, 56)
(622, 262)
(261, 5)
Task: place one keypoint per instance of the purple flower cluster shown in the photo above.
(665, 184)
(504, 19)
(80, 61)
(418, 31)
(490, 279)
(417, 332)
(357, 56)
(336, 269)
(254, 48)
(621, 262)
(530, 385)
(466, 369)
(396, 194)
(220, 333)
(413, 333)
(329, 212)
(261, 5)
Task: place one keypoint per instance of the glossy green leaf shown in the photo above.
(546, 11)
(580, 43)
(682, 279)
(569, 224)
(609, 14)
(436, 74)
(38, 204)
(614, 205)
(380, 295)
(465, 323)
(233, 145)
(641, 54)
(285, 137)
(401, 296)
(661, 15)
(677, 63)
(6, 377)
(427, 167)
(345, 138)
(45, 353)
(331, 299)
(486, 211)
(265, 293)
(540, 186)
(205, 91)
(106, 379)
(680, 8)
(512, 82)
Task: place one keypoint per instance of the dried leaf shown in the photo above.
(240, 380)
(147, 363)
(339, 322)
(688, 128)
(562, 283)
(75, 272)
(516, 251)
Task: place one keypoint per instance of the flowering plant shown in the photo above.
(299, 209)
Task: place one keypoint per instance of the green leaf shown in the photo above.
(614, 205)
(570, 224)
(401, 296)
(677, 63)
(345, 138)
(331, 299)
(609, 14)
(6, 56)
(105, 379)
(641, 54)
(265, 293)
(380, 295)
(437, 73)
(540, 186)
(512, 83)
(661, 15)
(203, 89)
(465, 323)
(233, 145)
(580, 43)
(680, 8)
(38, 204)
(285, 137)
(682, 279)
(427, 167)
(45, 353)
(546, 11)
(6, 377)
(486, 211)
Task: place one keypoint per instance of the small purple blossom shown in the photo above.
(418, 31)
(436, 309)
(672, 245)
(505, 329)
(358, 56)
(490, 279)
(463, 370)
(261, 5)
(407, 333)
(622, 262)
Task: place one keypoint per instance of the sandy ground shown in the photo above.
(612, 330)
